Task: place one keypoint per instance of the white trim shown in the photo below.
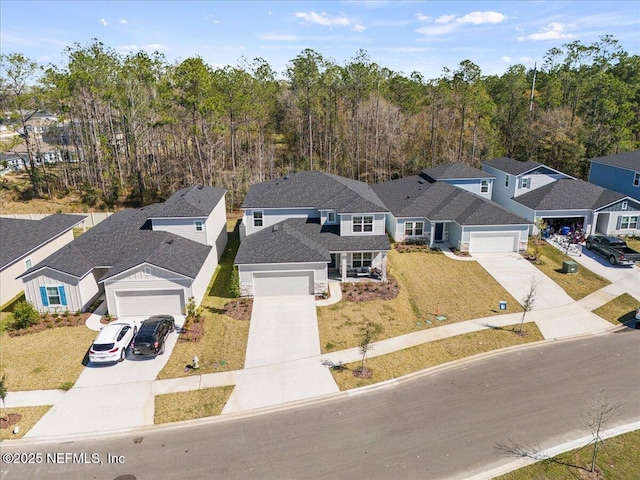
(626, 198)
(253, 218)
(636, 179)
(143, 264)
(30, 263)
(198, 226)
(49, 304)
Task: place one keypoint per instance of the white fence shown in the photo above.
(92, 219)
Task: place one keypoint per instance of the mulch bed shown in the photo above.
(192, 331)
(365, 291)
(360, 372)
(458, 253)
(50, 321)
(10, 420)
(239, 309)
(414, 247)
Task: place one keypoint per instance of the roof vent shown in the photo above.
(200, 187)
(275, 228)
(421, 182)
(287, 177)
(169, 241)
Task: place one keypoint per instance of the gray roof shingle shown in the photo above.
(568, 194)
(20, 237)
(297, 240)
(626, 160)
(438, 201)
(454, 171)
(196, 201)
(511, 166)
(317, 190)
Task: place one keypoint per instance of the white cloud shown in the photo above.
(479, 18)
(445, 19)
(359, 28)
(269, 13)
(123, 21)
(422, 18)
(506, 59)
(323, 19)
(448, 23)
(153, 47)
(553, 31)
(104, 22)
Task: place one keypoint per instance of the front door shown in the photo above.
(332, 264)
(439, 232)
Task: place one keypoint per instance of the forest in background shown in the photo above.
(136, 128)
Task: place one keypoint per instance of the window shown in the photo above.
(27, 264)
(363, 223)
(257, 219)
(636, 179)
(628, 222)
(331, 217)
(625, 204)
(198, 225)
(53, 296)
(484, 186)
(506, 180)
(525, 182)
(413, 229)
(147, 271)
(361, 259)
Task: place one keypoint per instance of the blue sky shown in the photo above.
(405, 36)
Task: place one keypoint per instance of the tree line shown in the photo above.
(139, 127)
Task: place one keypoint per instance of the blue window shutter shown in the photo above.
(63, 297)
(43, 294)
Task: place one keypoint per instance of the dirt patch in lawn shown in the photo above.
(10, 420)
(239, 309)
(369, 290)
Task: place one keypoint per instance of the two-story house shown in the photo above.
(620, 173)
(300, 229)
(144, 261)
(534, 191)
(451, 204)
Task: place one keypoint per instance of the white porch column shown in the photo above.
(343, 266)
(433, 234)
(383, 268)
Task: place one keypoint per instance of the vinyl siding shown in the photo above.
(537, 180)
(78, 292)
(400, 236)
(216, 228)
(473, 185)
(246, 272)
(184, 227)
(202, 280)
(346, 224)
(632, 207)
(271, 216)
(607, 223)
(614, 178)
(499, 193)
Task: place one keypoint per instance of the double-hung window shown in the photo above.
(636, 179)
(198, 225)
(525, 182)
(484, 186)
(629, 222)
(53, 296)
(362, 223)
(506, 180)
(27, 264)
(414, 229)
(257, 219)
(331, 217)
(363, 259)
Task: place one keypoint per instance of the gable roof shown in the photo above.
(196, 201)
(20, 237)
(626, 160)
(454, 171)
(439, 201)
(568, 194)
(125, 240)
(313, 189)
(298, 240)
(511, 166)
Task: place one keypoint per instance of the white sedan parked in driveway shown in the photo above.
(112, 342)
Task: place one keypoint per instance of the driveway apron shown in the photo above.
(279, 365)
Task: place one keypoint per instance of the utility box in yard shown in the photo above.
(569, 266)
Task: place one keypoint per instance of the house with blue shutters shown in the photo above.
(620, 173)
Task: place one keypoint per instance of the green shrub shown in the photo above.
(234, 284)
(24, 316)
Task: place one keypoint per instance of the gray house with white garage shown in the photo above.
(449, 204)
(620, 172)
(534, 191)
(300, 229)
(144, 261)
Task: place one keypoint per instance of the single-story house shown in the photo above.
(24, 243)
(620, 172)
(144, 261)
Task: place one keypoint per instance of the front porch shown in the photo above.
(358, 266)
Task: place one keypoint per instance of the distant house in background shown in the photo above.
(619, 172)
(144, 261)
(24, 243)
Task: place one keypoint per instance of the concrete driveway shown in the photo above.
(601, 266)
(108, 397)
(279, 363)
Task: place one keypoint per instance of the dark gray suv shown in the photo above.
(151, 337)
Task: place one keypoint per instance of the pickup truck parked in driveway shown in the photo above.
(613, 249)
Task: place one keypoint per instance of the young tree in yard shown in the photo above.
(368, 333)
(529, 300)
(3, 395)
(595, 417)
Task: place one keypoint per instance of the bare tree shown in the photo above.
(368, 332)
(596, 416)
(529, 300)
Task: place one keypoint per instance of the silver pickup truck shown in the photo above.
(612, 248)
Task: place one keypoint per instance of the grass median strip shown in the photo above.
(176, 407)
(620, 310)
(29, 417)
(414, 359)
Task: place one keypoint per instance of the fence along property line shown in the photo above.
(91, 220)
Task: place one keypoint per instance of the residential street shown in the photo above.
(441, 425)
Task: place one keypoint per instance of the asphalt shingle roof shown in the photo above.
(196, 201)
(568, 194)
(125, 240)
(297, 240)
(451, 171)
(627, 160)
(438, 201)
(511, 166)
(317, 190)
(19, 237)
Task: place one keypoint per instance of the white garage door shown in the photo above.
(489, 242)
(145, 303)
(282, 283)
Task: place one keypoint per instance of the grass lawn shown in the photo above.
(427, 355)
(430, 283)
(620, 310)
(224, 343)
(175, 407)
(633, 242)
(618, 460)
(30, 416)
(577, 285)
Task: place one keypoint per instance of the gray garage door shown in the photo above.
(282, 283)
(488, 242)
(145, 303)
